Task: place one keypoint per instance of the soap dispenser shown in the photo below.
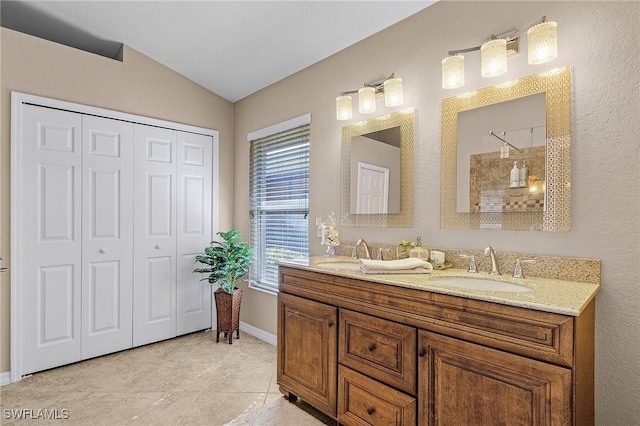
(514, 177)
(524, 175)
(418, 251)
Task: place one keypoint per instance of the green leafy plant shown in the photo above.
(227, 260)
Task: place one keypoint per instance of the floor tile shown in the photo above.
(187, 380)
(217, 408)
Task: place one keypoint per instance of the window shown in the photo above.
(279, 199)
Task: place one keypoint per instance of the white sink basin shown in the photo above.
(352, 266)
(479, 284)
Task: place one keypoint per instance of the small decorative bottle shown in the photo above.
(514, 177)
(330, 237)
(524, 175)
(418, 251)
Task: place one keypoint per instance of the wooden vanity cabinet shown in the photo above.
(373, 353)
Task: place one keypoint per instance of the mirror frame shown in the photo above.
(405, 120)
(556, 84)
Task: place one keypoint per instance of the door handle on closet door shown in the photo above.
(103, 250)
(158, 246)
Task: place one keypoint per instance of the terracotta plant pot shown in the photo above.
(228, 313)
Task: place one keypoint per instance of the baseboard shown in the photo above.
(258, 333)
(5, 378)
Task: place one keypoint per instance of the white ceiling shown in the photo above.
(232, 48)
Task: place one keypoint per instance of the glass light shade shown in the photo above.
(493, 57)
(367, 100)
(542, 42)
(393, 95)
(453, 72)
(343, 107)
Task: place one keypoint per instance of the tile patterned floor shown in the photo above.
(189, 380)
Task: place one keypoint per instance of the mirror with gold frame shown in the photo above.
(555, 216)
(400, 190)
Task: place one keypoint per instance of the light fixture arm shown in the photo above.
(377, 84)
(503, 140)
(509, 35)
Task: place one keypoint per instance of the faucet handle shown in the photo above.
(517, 271)
(381, 252)
(472, 263)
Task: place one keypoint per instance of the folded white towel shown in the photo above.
(401, 266)
(395, 271)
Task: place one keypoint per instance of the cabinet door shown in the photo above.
(307, 350)
(461, 383)
(107, 236)
(51, 240)
(193, 230)
(154, 295)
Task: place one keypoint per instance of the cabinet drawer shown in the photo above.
(379, 348)
(364, 401)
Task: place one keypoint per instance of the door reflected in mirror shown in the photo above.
(377, 171)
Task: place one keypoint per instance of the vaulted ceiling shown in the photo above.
(233, 48)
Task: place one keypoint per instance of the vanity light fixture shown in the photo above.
(391, 87)
(542, 46)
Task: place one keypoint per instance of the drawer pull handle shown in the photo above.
(371, 347)
(422, 353)
(330, 323)
(371, 410)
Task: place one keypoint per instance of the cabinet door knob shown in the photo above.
(371, 347)
(103, 250)
(422, 353)
(371, 410)
(158, 246)
(330, 323)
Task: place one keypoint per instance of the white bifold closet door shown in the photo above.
(193, 229)
(111, 216)
(173, 224)
(107, 235)
(154, 296)
(51, 243)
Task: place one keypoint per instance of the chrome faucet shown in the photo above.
(489, 251)
(354, 253)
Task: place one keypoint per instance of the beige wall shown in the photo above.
(138, 85)
(599, 40)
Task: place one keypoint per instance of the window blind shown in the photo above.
(279, 203)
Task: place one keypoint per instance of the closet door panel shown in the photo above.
(107, 218)
(194, 229)
(50, 230)
(154, 296)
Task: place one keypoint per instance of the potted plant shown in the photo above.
(226, 262)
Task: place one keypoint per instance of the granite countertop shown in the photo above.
(548, 295)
